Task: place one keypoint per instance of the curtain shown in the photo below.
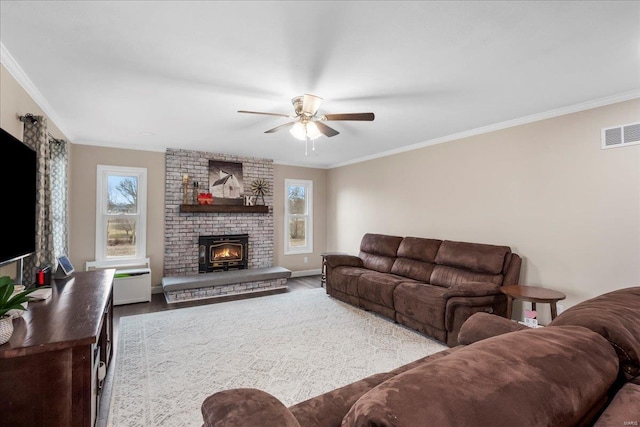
(35, 135)
(58, 180)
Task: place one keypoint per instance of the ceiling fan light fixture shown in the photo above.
(312, 130)
(299, 132)
(302, 131)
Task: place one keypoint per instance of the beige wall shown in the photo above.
(296, 263)
(546, 189)
(82, 215)
(15, 102)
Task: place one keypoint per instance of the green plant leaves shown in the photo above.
(8, 301)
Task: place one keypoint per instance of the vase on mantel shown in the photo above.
(6, 328)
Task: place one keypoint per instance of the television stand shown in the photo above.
(50, 369)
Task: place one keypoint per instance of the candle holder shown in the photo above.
(195, 191)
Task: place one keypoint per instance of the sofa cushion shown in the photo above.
(328, 409)
(245, 406)
(624, 409)
(536, 377)
(481, 258)
(616, 316)
(378, 287)
(378, 251)
(451, 276)
(421, 302)
(345, 279)
(416, 258)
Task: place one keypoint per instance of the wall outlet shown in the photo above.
(306, 259)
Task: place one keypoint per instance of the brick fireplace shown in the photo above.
(183, 229)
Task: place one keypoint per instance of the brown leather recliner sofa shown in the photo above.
(583, 369)
(429, 285)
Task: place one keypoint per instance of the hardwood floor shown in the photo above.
(158, 303)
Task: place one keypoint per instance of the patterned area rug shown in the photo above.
(295, 346)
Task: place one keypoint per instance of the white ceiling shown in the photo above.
(109, 72)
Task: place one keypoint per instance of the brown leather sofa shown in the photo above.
(582, 369)
(429, 285)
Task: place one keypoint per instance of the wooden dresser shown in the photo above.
(49, 368)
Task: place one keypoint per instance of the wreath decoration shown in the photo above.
(260, 187)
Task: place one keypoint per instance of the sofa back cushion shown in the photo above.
(460, 262)
(616, 316)
(537, 377)
(416, 258)
(449, 276)
(476, 257)
(378, 251)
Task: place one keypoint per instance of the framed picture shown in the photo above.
(225, 179)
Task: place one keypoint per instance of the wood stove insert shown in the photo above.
(223, 253)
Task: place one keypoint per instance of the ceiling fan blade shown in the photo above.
(310, 104)
(267, 114)
(365, 117)
(277, 128)
(326, 130)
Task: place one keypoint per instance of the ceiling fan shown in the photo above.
(307, 124)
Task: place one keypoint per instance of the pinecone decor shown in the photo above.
(259, 187)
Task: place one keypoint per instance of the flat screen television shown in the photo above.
(18, 179)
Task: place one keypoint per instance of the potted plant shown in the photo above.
(10, 300)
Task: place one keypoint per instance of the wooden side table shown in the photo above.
(323, 277)
(533, 295)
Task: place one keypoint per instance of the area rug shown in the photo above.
(294, 345)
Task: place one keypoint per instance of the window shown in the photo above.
(121, 212)
(298, 216)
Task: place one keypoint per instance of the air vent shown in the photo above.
(621, 136)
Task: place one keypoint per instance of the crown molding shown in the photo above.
(23, 80)
(601, 102)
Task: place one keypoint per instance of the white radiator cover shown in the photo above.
(134, 287)
(129, 285)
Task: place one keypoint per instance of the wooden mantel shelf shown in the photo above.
(224, 209)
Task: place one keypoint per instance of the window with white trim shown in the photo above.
(298, 216)
(121, 215)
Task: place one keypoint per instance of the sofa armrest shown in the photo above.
(245, 407)
(472, 289)
(343, 260)
(484, 325)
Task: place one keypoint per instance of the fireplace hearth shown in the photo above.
(223, 253)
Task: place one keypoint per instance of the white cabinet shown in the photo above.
(129, 284)
(132, 285)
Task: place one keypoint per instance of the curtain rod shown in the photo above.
(28, 118)
(31, 118)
